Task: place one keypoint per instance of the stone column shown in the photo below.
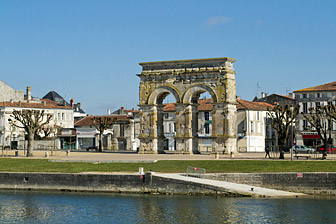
(186, 137)
(160, 130)
(148, 130)
(180, 128)
(116, 134)
(224, 128)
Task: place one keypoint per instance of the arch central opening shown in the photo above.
(168, 103)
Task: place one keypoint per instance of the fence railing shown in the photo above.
(195, 172)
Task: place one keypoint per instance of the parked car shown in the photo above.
(303, 149)
(331, 149)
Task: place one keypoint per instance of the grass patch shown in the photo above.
(167, 166)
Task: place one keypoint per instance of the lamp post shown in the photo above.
(291, 109)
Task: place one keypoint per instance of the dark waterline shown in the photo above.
(46, 207)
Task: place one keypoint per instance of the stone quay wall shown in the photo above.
(120, 183)
(310, 183)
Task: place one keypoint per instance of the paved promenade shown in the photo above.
(134, 157)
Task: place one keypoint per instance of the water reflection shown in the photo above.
(39, 207)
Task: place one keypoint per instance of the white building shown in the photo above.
(252, 125)
(10, 135)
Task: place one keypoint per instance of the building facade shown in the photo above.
(253, 127)
(120, 137)
(311, 97)
(10, 136)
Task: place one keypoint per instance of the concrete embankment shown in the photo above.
(132, 183)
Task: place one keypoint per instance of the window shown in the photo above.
(305, 108)
(166, 115)
(304, 95)
(258, 115)
(206, 116)
(207, 128)
(317, 104)
(121, 130)
(170, 127)
(318, 95)
(305, 124)
(329, 94)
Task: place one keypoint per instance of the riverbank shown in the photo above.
(118, 172)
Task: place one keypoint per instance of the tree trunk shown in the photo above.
(100, 142)
(30, 144)
(281, 144)
(324, 156)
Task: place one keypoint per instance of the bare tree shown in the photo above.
(331, 111)
(43, 132)
(103, 123)
(320, 122)
(30, 121)
(281, 120)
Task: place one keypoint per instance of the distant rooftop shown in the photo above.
(325, 87)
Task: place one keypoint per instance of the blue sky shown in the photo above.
(89, 50)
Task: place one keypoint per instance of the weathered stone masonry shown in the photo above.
(186, 80)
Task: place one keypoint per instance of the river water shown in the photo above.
(46, 207)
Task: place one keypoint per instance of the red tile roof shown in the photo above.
(325, 87)
(87, 121)
(204, 105)
(44, 104)
(244, 104)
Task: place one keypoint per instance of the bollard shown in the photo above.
(67, 152)
(216, 155)
(16, 153)
(141, 170)
(46, 154)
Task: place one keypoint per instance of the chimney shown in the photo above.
(29, 97)
(108, 111)
(79, 105)
(72, 103)
(263, 94)
(291, 95)
(237, 97)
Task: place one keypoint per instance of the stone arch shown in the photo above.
(158, 95)
(192, 94)
(186, 80)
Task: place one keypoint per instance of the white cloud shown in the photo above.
(217, 20)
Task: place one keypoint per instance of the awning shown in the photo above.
(311, 136)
